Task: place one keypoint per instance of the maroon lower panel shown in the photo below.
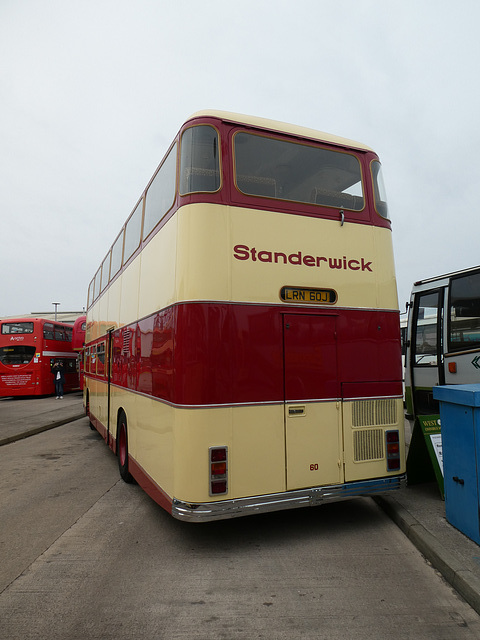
(200, 353)
(149, 485)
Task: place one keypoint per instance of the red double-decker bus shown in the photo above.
(28, 349)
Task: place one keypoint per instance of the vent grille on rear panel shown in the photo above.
(367, 445)
(373, 413)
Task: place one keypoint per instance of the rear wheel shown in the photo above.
(122, 448)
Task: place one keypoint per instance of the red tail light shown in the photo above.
(392, 441)
(218, 454)
(218, 459)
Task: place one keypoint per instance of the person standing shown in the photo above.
(59, 378)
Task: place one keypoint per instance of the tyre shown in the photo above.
(122, 448)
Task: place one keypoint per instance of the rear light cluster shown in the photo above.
(218, 457)
(392, 441)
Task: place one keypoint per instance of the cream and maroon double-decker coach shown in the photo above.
(243, 342)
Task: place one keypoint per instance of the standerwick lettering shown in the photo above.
(244, 252)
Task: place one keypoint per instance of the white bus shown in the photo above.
(443, 337)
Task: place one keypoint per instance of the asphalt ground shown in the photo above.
(24, 417)
(418, 510)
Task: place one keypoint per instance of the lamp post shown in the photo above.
(55, 304)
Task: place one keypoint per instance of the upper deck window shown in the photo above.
(96, 283)
(133, 232)
(105, 272)
(117, 252)
(48, 331)
(90, 296)
(379, 189)
(59, 332)
(17, 327)
(199, 163)
(161, 193)
(297, 172)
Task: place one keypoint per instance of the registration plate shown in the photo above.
(307, 295)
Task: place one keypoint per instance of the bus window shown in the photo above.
(133, 232)
(297, 172)
(379, 189)
(101, 358)
(117, 253)
(426, 330)
(464, 330)
(161, 193)
(48, 331)
(96, 284)
(90, 292)
(105, 271)
(199, 160)
(17, 327)
(59, 332)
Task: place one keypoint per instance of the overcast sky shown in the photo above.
(93, 92)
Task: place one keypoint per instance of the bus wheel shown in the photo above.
(122, 449)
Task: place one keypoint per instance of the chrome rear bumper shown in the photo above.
(311, 497)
